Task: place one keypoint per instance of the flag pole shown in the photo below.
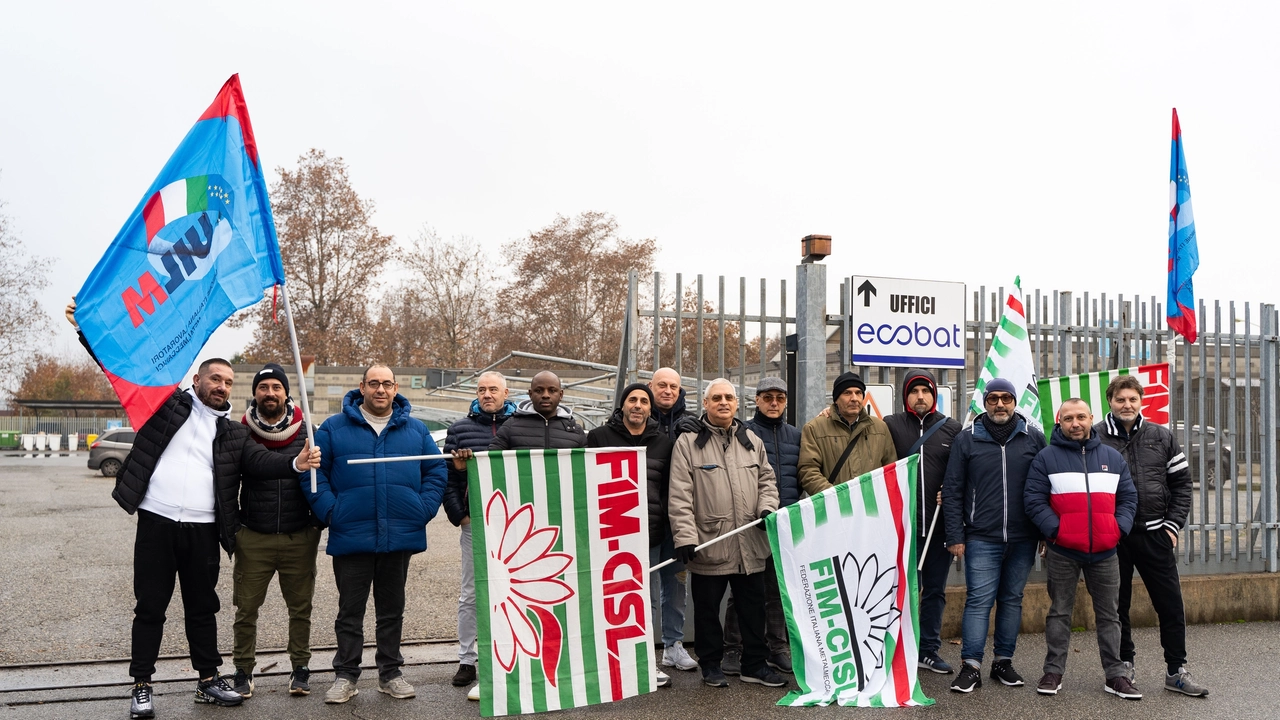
(302, 381)
(927, 538)
(710, 542)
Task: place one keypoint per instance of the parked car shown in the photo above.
(1210, 440)
(108, 452)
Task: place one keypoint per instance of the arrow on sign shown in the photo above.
(866, 290)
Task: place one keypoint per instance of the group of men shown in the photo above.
(1104, 499)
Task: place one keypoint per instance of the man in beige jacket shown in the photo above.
(827, 438)
(721, 479)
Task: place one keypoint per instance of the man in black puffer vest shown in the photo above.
(907, 428)
(633, 426)
(489, 410)
(279, 534)
(540, 421)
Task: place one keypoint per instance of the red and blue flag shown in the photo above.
(199, 246)
(1184, 256)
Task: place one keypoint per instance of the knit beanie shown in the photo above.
(270, 371)
(999, 385)
(846, 381)
(626, 392)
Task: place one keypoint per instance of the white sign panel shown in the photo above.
(883, 400)
(912, 323)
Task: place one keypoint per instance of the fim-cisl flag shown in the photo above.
(846, 567)
(199, 246)
(1092, 389)
(1010, 358)
(561, 547)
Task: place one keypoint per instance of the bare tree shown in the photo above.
(22, 321)
(710, 338)
(568, 291)
(332, 255)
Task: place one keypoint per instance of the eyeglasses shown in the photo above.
(771, 398)
(722, 398)
(1000, 399)
(374, 384)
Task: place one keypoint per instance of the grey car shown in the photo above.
(108, 452)
(1210, 442)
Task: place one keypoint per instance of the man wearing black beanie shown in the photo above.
(844, 443)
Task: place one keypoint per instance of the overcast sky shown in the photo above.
(931, 140)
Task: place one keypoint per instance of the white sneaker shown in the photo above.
(664, 680)
(342, 691)
(397, 687)
(474, 693)
(676, 657)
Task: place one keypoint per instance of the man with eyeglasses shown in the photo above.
(377, 515)
(986, 525)
(782, 445)
(721, 479)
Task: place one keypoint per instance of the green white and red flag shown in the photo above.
(1092, 389)
(1010, 358)
(561, 549)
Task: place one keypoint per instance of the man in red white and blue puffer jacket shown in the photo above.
(1081, 497)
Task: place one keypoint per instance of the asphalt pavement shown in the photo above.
(66, 595)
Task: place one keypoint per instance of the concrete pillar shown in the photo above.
(811, 341)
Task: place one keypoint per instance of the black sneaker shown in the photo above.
(1050, 684)
(781, 663)
(713, 676)
(1121, 687)
(1003, 671)
(969, 678)
(216, 691)
(764, 676)
(931, 661)
(465, 676)
(731, 664)
(142, 707)
(242, 683)
(298, 681)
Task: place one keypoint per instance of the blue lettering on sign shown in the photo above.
(921, 335)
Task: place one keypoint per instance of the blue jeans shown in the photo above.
(668, 592)
(994, 573)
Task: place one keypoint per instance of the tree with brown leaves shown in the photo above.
(333, 256)
(46, 377)
(568, 292)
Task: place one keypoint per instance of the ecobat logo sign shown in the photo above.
(900, 322)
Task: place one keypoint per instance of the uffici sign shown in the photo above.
(909, 323)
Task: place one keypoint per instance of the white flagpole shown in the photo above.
(928, 537)
(302, 381)
(710, 542)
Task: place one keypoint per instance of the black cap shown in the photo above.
(270, 371)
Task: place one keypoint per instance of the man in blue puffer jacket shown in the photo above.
(377, 515)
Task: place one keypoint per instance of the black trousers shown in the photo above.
(933, 590)
(386, 573)
(748, 594)
(1156, 560)
(162, 550)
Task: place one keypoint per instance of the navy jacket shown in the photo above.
(1081, 497)
(379, 507)
(473, 432)
(982, 490)
(782, 445)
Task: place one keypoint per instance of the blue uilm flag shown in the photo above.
(1184, 256)
(199, 246)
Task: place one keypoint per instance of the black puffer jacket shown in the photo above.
(669, 421)
(782, 445)
(527, 429)
(1159, 469)
(907, 428)
(983, 489)
(276, 506)
(473, 432)
(233, 453)
(657, 445)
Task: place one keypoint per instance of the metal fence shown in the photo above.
(1223, 407)
(52, 425)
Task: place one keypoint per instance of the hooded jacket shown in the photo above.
(233, 454)
(721, 479)
(375, 507)
(823, 440)
(657, 455)
(473, 432)
(1081, 497)
(782, 444)
(276, 505)
(907, 428)
(982, 492)
(528, 429)
(1159, 470)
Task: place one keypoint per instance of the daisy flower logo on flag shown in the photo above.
(870, 610)
(525, 576)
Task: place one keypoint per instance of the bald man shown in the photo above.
(541, 421)
(669, 404)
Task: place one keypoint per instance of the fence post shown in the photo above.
(1063, 339)
(811, 340)
(1267, 376)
